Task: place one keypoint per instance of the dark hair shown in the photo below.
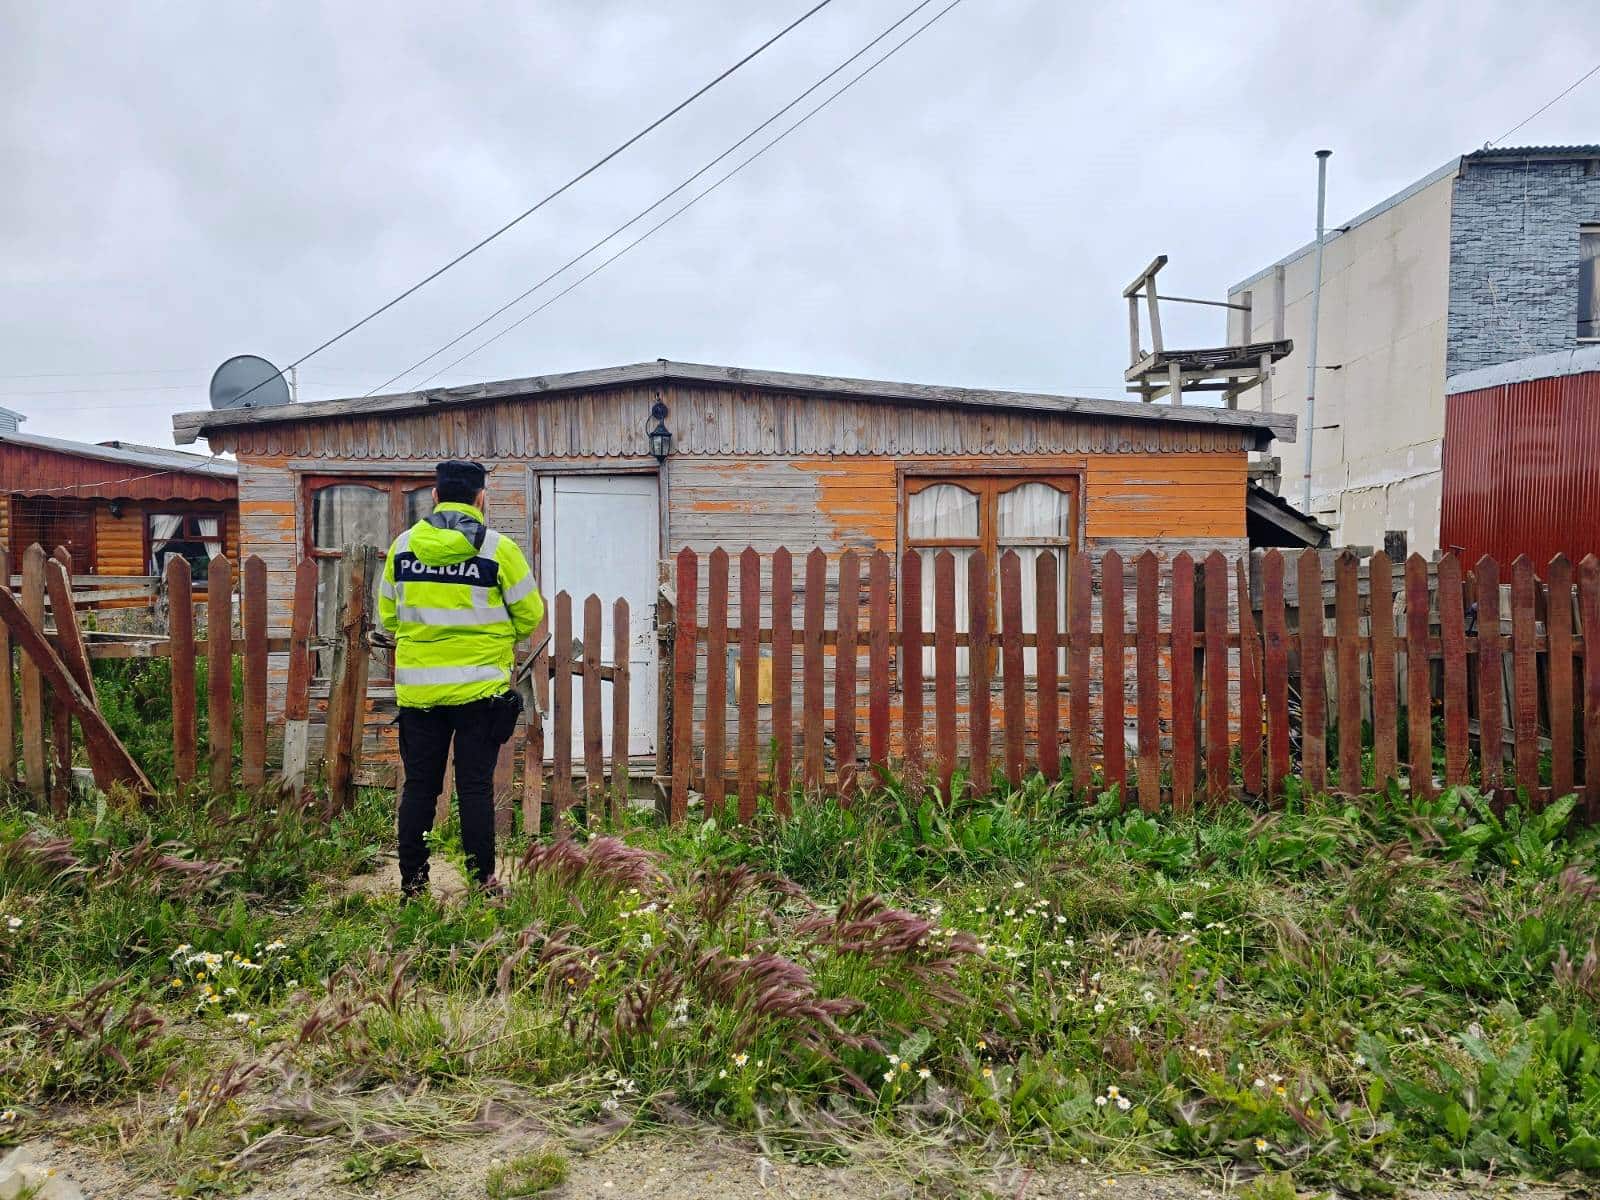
(456, 492)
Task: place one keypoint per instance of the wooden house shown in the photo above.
(604, 475)
(120, 509)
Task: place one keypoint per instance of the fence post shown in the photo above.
(180, 640)
(685, 649)
(533, 738)
(1012, 695)
(69, 645)
(1183, 700)
(1080, 598)
(1250, 723)
(219, 673)
(347, 686)
(716, 741)
(594, 774)
(1047, 664)
(1385, 720)
(844, 672)
(749, 678)
(1419, 678)
(253, 629)
(620, 681)
(783, 675)
(1275, 672)
(1347, 657)
(1147, 660)
(1558, 624)
(561, 706)
(1113, 679)
(1589, 610)
(1313, 674)
(60, 715)
(1491, 739)
(35, 757)
(8, 716)
(944, 669)
(297, 698)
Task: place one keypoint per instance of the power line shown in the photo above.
(1569, 90)
(644, 212)
(526, 213)
(678, 212)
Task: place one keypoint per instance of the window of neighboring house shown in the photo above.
(993, 513)
(194, 536)
(1589, 283)
(344, 511)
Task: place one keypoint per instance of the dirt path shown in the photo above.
(704, 1167)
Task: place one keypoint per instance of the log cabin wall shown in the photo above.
(750, 466)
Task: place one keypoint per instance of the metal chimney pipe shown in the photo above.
(1316, 311)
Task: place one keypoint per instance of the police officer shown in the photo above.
(457, 595)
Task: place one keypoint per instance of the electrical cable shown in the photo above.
(644, 212)
(526, 213)
(678, 212)
(1570, 89)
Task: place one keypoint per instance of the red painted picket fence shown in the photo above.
(1223, 704)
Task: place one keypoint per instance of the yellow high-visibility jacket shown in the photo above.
(457, 595)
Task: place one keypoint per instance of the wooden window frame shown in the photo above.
(1588, 229)
(396, 484)
(186, 512)
(988, 484)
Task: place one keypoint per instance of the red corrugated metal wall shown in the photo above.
(1522, 470)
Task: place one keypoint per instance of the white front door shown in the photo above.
(600, 534)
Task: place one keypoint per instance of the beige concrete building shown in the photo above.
(1380, 395)
(1484, 261)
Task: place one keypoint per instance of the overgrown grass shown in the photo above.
(1351, 991)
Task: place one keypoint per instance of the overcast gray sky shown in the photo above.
(188, 181)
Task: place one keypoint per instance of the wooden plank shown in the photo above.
(1385, 714)
(1080, 601)
(1491, 726)
(1558, 626)
(1047, 664)
(594, 782)
(878, 677)
(1589, 616)
(561, 784)
(811, 761)
(70, 648)
(1275, 673)
(910, 643)
(620, 685)
(783, 674)
(749, 680)
(1453, 647)
(844, 673)
(684, 649)
(533, 735)
(716, 739)
(253, 620)
(60, 725)
(297, 697)
(8, 714)
(1147, 671)
(1251, 727)
(1219, 756)
(1181, 622)
(1347, 657)
(1419, 681)
(219, 668)
(944, 669)
(1525, 678)
(1013, 683)
(980, 671)
(28, 634)
(1113, 694)
(1313, 682)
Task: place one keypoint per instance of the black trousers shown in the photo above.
(425, 737)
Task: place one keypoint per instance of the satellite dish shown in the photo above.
(248, 381)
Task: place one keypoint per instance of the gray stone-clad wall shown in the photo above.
(1514, 259)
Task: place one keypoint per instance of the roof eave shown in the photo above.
(189, 426)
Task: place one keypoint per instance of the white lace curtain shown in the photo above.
(1589, 284)
(943, 511)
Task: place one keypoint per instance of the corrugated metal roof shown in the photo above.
(1590, 151)
(148, 457)
(188, 426)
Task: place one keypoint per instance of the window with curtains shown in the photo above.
(195, 536)
(343, 511)
(1589, 283)
(1029, 514)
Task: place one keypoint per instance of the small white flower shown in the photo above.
(740, 1059)
(888, 1076)
(1019, 884)
(1360, 1060)
(1100, 1007)
(894, 1060)
(924, 1073)
(609, 1105)
(1186, 916)
(231, 991)
(722, 1074)
(1101, 1101)
(13, 922)
(1124, 1103)
(1261, 1085)
(242, 1018)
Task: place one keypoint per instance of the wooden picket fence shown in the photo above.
(1223, 703)
(45, 650)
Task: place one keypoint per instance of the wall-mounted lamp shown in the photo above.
(116, 508)
(658, 433)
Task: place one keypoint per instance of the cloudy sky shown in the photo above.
(188, 181)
